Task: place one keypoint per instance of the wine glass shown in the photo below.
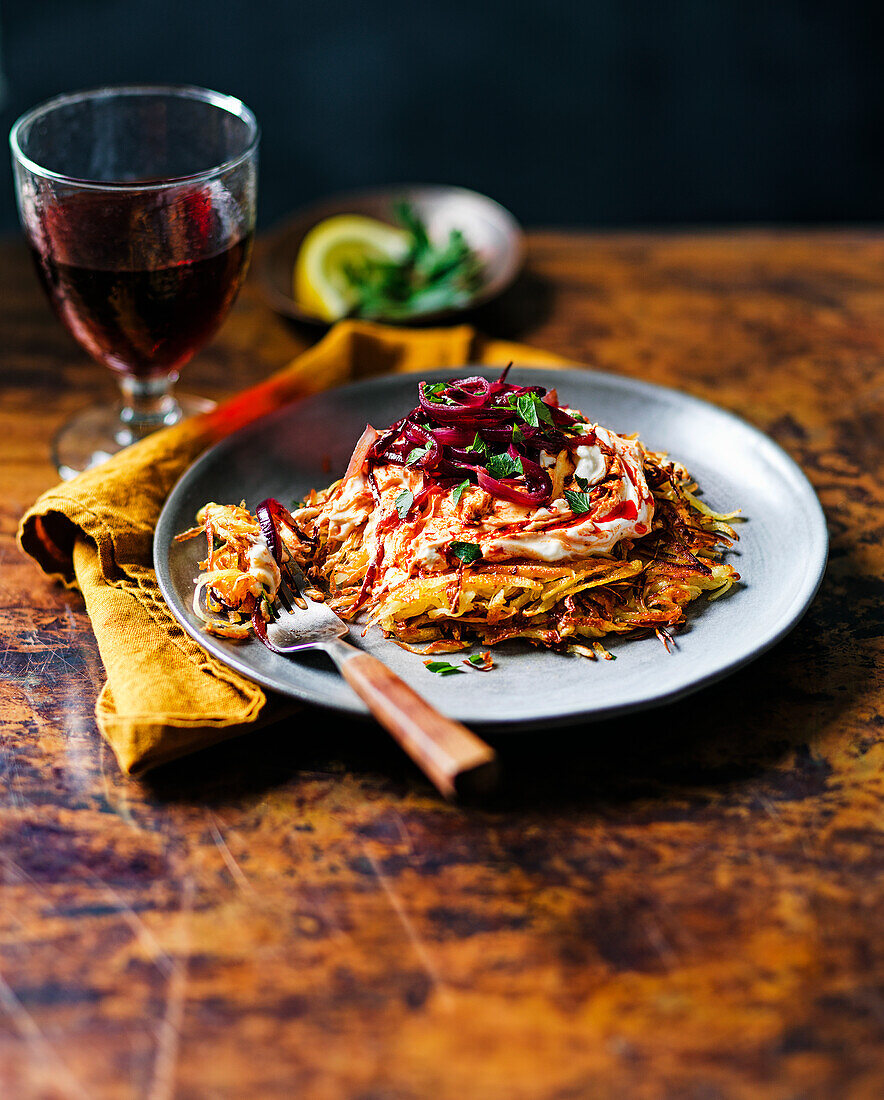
(138, 203)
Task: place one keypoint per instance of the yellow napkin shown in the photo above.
(165, 695)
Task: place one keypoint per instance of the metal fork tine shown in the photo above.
(449, 754)
(284, 595)
(295, 576)
(290, 593)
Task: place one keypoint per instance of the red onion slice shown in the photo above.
(472, 407)
(260, 628)
(268, 527)
(587, 440)
(366, 442)
(269, 512)
(507, 491)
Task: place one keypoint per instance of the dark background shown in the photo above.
(599, 113)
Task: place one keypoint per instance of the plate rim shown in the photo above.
(810, 583)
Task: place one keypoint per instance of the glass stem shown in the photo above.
(148, 404)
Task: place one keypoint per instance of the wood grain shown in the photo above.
(683, 904)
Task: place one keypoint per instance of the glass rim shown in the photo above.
(229, 103)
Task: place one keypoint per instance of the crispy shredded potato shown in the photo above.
(643, 585)
(232, 584)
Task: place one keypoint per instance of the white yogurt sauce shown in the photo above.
(588, 535)
(262, 565)
(591, 464)
(347, 512)
(591, 535)
(426, 552)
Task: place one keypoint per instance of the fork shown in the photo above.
(450, 755)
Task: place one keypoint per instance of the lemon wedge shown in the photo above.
(320, 282)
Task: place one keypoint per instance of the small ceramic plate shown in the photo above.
(488, 228)
(781, 554)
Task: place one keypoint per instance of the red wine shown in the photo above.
(149, 321)
(138, 285)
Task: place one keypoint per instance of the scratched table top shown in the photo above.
(686, 903)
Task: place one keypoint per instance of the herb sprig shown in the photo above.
(442, 668)
(403, 503)
(467, 552)
(579, 503)
(481, 662)
(430, 277)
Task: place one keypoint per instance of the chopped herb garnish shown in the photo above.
(416, 454)
(457, 491)
(435, 390)
(479, 445)
(517, 435)
(532, 410)
(467, 552)
(433, 275)
(480, 661)
(404, 502)
(500, 466)
(296, 504)
(441, 668)
(582, 483)
(578, 502)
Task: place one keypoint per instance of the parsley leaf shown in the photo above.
(435, 390)
(481, 661)
(501, 466)
(578, 502)
(457, 491)
(467, 552)
(517, 435)
(479, 445)
(582, 483)
(433, 275)
(417, 453)
(442, 668)
(404, 502)
(532, 410)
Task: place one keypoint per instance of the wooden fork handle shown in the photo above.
(453, 757)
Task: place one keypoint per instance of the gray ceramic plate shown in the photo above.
(781, 554)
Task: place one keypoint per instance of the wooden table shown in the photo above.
(687, 903)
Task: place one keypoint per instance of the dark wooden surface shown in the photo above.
(685, 904)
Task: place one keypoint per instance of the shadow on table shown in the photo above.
(722, 736)
(728, 734)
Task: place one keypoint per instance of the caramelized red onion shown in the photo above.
(270, 514)
(473, 394)
(446, 424)
(268, 527)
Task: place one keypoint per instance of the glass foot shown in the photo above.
(95, 434)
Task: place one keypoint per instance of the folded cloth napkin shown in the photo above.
(166, 696)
